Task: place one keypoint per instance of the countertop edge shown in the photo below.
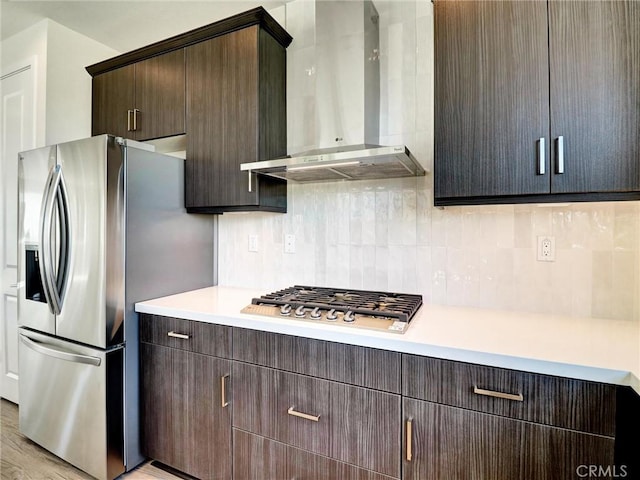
(384, 342)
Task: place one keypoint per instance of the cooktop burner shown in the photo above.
(355, 308)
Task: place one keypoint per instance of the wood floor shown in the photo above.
(21, 459)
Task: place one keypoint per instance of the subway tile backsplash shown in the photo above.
(386, 235)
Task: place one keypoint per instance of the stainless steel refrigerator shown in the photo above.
(102, 225)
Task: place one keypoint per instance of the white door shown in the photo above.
(17, 130)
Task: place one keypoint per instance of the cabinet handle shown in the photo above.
(306, 416)
(560, 153)
(409, 439)
(128, 120)
(13, 285)
(223, 390)
(250, 186)
(541, 157)
(490, 393)
(177, 335)
(135, 119)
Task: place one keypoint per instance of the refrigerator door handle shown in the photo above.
(60, 354)
(55, 280)
(64, 262)
(46, 212)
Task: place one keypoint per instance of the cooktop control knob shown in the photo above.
(285, 309)
(331, 315)
(300, 311)
(348, 317)
(315, 313)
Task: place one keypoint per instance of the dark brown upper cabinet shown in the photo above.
(536, 101)
(142, 101)
(224, 86)
(236, 103)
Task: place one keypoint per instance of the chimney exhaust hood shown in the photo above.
(340, 132)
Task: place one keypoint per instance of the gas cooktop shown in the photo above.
(384, 311)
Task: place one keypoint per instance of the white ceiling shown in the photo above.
(123, 25)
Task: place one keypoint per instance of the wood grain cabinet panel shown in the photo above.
(361, 366)
(511, 73)
(236, 103)
(112, 98)
(141, 101)
(563, 402)
(184, 424)
(351, 424)
(259, 458)
(202, 337)
(595, 94)
(160, 96)
(458, 444)
(492, 98)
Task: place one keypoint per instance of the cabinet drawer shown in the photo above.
(199, 337)
(563, 402)
(258, 458)
(351, 424)
(362, 366)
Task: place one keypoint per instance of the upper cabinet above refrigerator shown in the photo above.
(224, 87)
(142, 101)
(536, 101)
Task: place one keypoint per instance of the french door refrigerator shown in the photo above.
(102, 225)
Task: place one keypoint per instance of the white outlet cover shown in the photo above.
(289, 243)
(253, 243)
(546, 248)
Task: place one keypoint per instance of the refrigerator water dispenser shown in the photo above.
(33, 281)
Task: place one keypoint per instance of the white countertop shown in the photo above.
(585, 348)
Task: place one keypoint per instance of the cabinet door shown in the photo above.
(595, 94)
(184, 423)
(222, 101)
(160, 96)
(492, 100)
(458, 444)
(112, 99)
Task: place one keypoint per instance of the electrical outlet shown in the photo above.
(546, 248)
(253, 243)
(289, 244)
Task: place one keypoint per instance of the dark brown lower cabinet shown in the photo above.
(184, 422)
(258, 458)
(443, 442)
(355, 425)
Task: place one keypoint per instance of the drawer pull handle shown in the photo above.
(306, 416)
(177, 335)
(223, 390)
(409, 440)
(490, 393)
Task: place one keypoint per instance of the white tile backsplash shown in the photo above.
(386, 234)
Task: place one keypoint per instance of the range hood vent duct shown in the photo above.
(342, 136)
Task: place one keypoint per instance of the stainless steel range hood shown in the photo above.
(355, 162)
(335, 106)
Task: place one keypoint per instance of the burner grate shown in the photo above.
(399, 306)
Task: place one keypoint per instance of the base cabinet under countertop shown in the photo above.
(225, 402)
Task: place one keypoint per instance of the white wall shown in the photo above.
(386, 234)
(63, 87)
(69, 84)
